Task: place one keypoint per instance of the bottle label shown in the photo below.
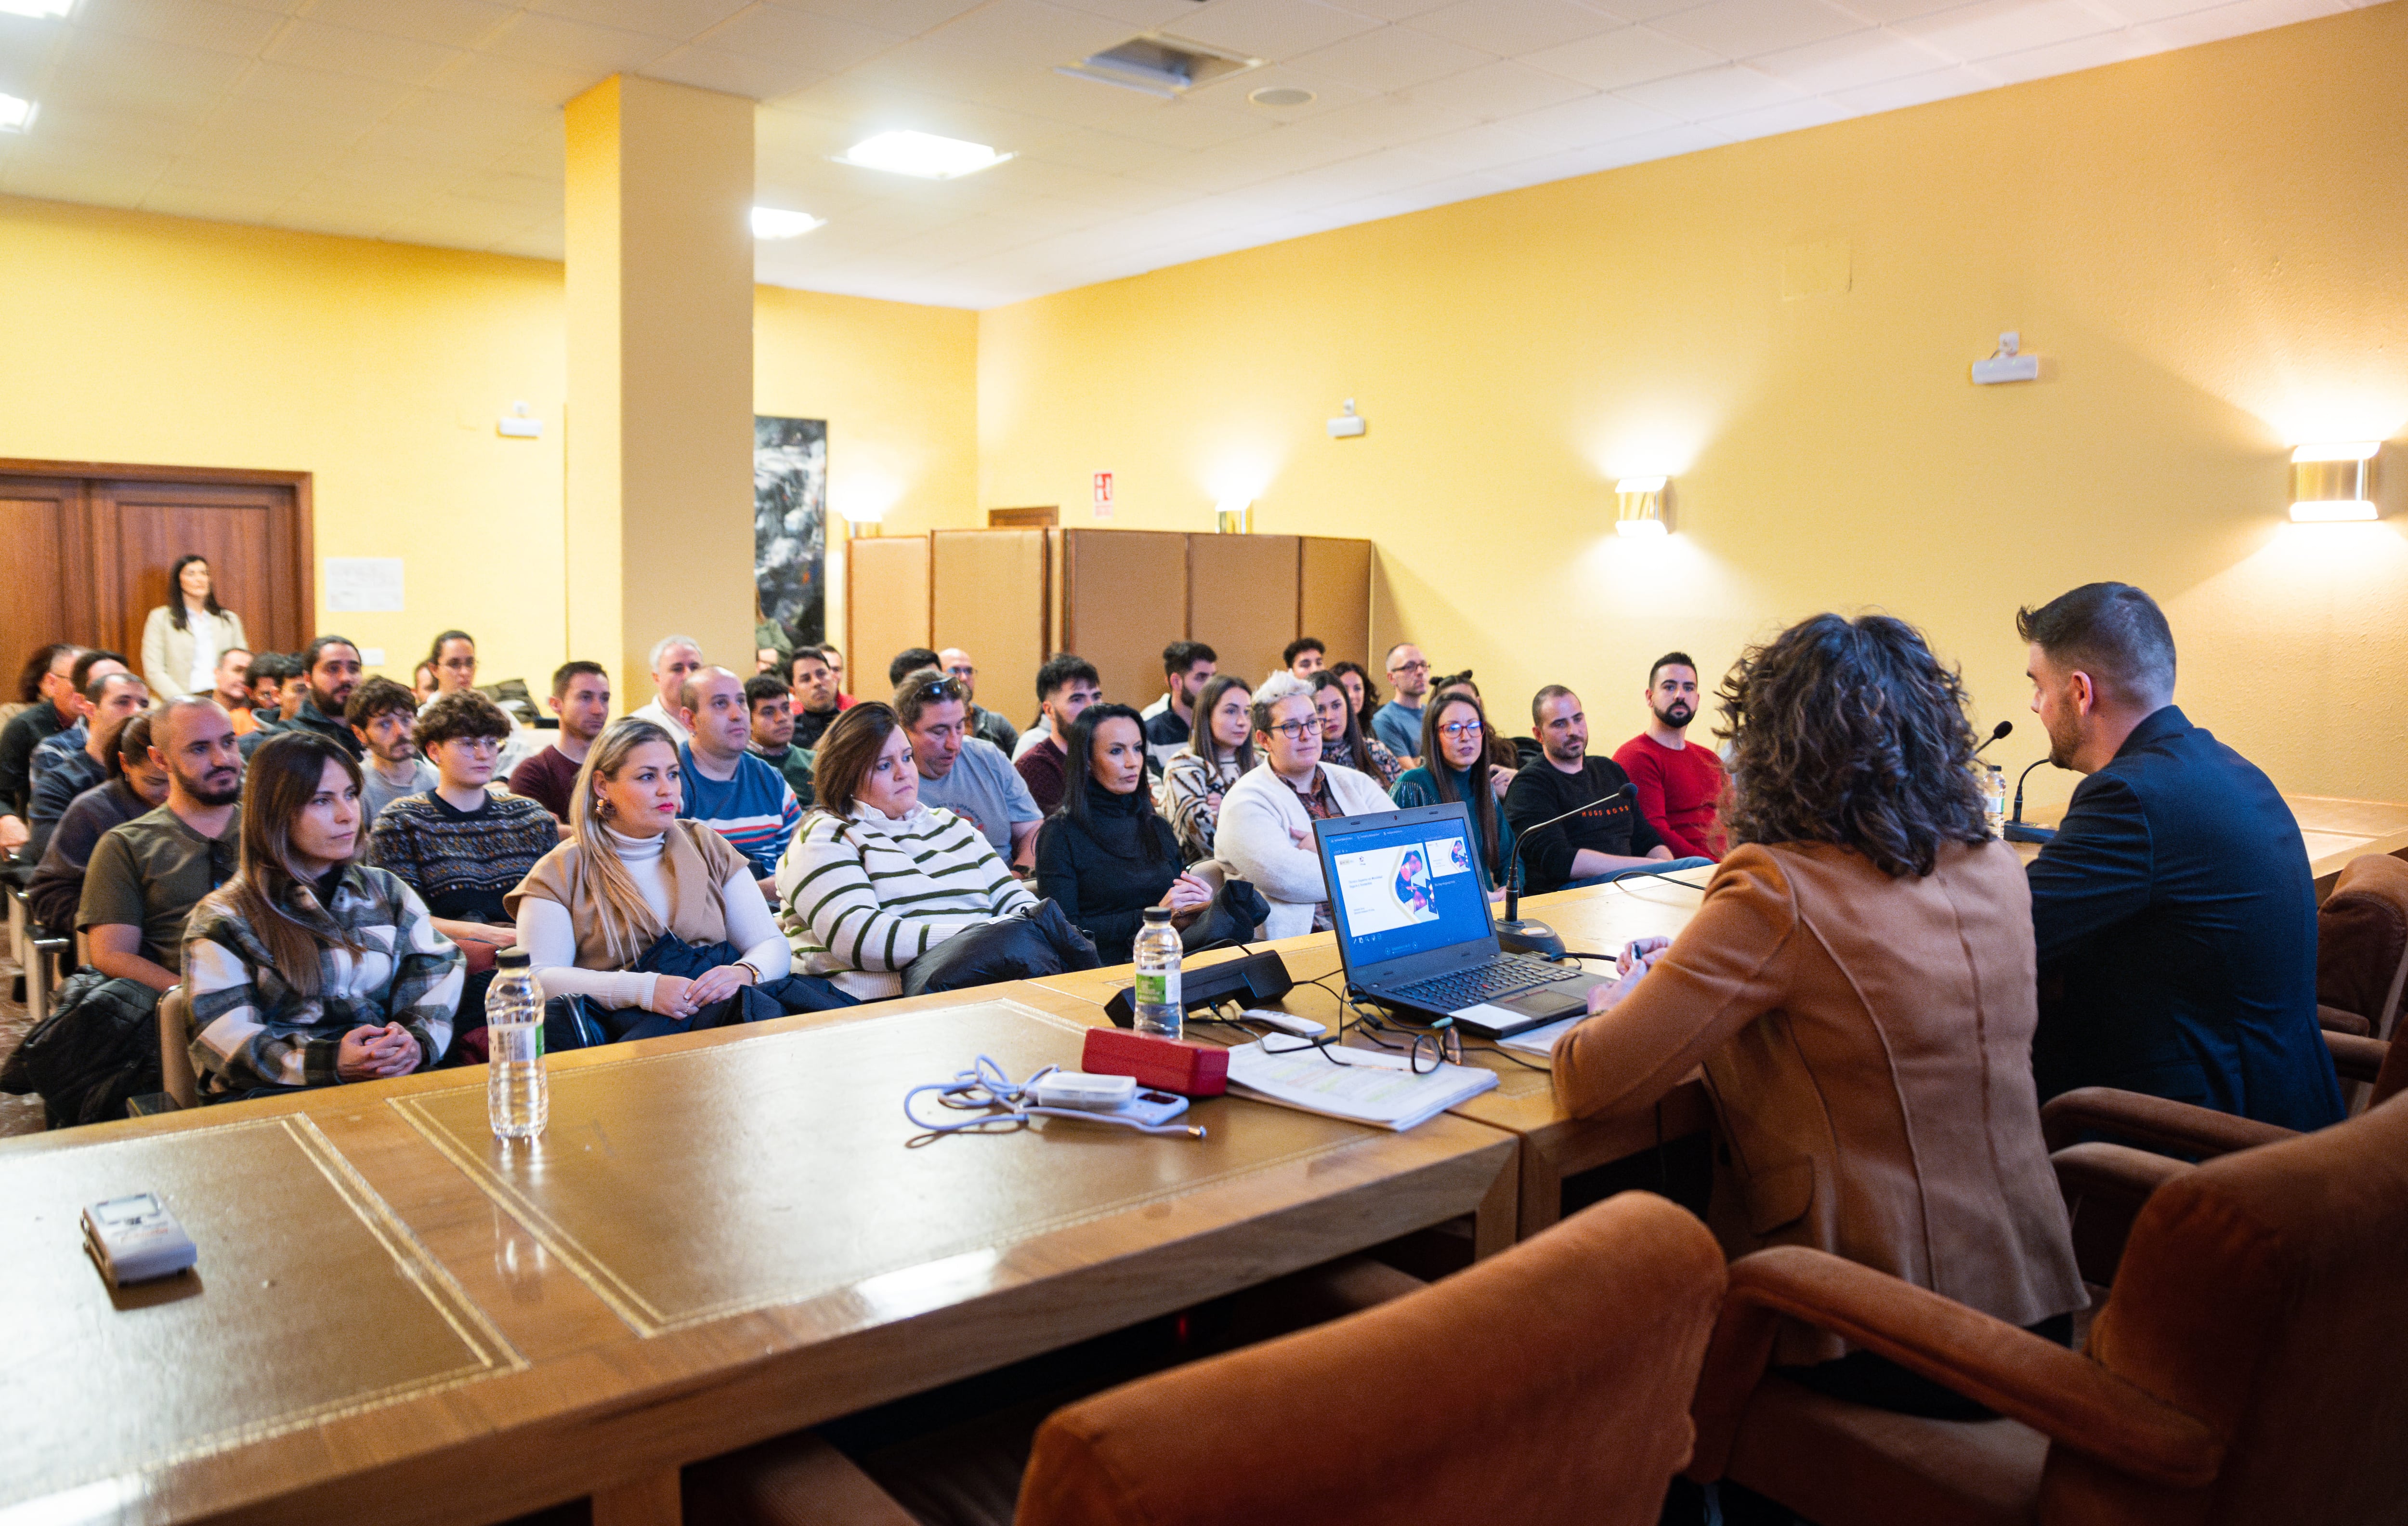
(1159, 988)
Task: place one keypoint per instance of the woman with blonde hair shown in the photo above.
(635, 912)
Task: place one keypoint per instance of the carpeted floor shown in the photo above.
(17, 1115)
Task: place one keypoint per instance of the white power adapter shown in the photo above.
(1084, 1092)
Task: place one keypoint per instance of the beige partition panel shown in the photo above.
(1241, 598)
(886, 607)
(1121, 605)
(987, 595)
(1334, 599)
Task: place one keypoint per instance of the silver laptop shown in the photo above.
(1415, 931)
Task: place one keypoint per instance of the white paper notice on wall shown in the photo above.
(364, 584)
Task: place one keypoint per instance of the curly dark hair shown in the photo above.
(1850, 732)
(465, 713)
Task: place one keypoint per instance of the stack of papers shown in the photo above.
(1542, 1041)
(1361, 1085)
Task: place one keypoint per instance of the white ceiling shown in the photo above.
(437, 122)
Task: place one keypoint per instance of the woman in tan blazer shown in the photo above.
(1858, 986)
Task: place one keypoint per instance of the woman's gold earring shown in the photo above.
(601, 807)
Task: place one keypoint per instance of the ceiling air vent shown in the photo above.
(1158, 65)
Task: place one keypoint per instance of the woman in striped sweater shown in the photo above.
(874, 879)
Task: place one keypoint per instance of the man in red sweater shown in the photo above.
(1678, 781)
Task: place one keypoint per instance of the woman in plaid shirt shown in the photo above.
(306, 968)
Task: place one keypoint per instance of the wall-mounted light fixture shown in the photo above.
(1347, 425)
(2333, 482)
(1639, 503)
(1234, 516)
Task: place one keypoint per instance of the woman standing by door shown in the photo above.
(183, 638)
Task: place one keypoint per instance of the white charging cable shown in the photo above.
(984, 1088)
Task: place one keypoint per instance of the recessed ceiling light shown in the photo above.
(1282, 96)
(38, 10)
(15, 115)
(776, 223)
(924, 154)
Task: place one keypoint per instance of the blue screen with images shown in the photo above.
(1405, 889)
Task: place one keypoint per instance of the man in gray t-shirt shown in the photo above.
(962, 774)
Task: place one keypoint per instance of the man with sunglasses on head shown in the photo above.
(966, 775)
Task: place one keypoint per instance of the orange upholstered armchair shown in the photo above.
(2362, 947)
(1547, 1384)
(2243, 1370)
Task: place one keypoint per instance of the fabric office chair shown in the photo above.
(2245, 1369)
(2362, 945)
(1543, 1384)
(175, 1076)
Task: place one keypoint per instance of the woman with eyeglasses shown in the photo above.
(1859, 985)
(452, 663)
(1219, 752)
(1455, 743)
(1343, 740)
(1104, 856)
(1265, 831)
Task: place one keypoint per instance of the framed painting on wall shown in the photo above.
(789, 527)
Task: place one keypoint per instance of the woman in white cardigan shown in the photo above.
(183, 639)
(1265, 831)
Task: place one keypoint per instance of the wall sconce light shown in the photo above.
(862, 529)
(1234, 516)
(1349, 425)
(1641, 502)
(2333, 482)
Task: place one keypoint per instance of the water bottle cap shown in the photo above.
(1157, 913)
(512, 958)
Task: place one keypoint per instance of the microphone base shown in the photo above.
(2017, 832)
(1525, 935)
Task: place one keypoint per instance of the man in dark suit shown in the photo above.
(2174, 916)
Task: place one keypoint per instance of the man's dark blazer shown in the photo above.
(2176, 927)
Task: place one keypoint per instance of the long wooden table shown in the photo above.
(2335, 830)
(1600, 919)
(720, 1238)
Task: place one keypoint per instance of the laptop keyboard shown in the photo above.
(1505, 975)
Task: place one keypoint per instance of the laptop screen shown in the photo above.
(1404, 889)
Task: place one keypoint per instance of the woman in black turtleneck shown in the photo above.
(1104, 856)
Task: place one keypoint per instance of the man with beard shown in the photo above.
(2174, 914)
(1678, 783)
(146, 876)
(1602, 835)
(330, 669)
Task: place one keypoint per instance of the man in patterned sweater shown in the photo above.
(460, 846)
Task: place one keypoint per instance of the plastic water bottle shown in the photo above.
(518, 1099)
(1159, 1012)
(1994, 796)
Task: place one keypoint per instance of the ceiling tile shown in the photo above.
(1639, 149)
(1788, 117)
(91, 185)
(121, 62)
(1394, 10)
(1972, 33)
(1136, 15)
(734, 74)
(905, 18)
(1392, 57)
(1109, 152)
(212, 206)
(1192, 125)
(184, 24)
(1276, 30)
(448, 23)
(1393, 119)
(1911, 90)
(1610, 60)
(596, 51)
(1594, 118)
(1030, 32)
(1504, 89)
(2068, 57)
(339, 94)
(71, 121)
(1710, 93)
(1482, 147)
(678, 21)
(2234, 20)
(316, 45)
(1508, 27)
(828, 44)
(467, 119)
(1882, 12)
(1744, 28)
(487, 78)
(1857, 59)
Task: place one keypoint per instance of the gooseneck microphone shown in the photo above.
(1515, 936)
(2000, 730)
(2014, 830)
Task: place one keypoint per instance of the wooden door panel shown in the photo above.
(1123, 601)
(39, 523)
(140, 528)
(1242, 600)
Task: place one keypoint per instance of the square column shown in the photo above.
(660, 377)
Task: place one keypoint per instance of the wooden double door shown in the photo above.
(90, 547)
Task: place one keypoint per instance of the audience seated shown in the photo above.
(816, 701)
(230, 680)
(1343, 741)
(459, 845)
(454, 658)
(422, 682)
(2175, 916)
(265, 680)
(1399, 722)
(1186, 667)
(47, 689)
(834, 657)
(1304, 657)
(1267, 816)
(875, 879)
(771, 706)
(309, 968)
(183, 639)
(770, 636)
(1105, 856)
(581, 697)
(108, 703)
(1218, 754)
(967, 775)
(384, 717)
(984, 723)
(90, 667)
(1602, 837)
(674, 660)
(1065, 686)
(727, 789)
(912, 659)
(1857, 984)
(137, 783)
(1360, 692)
(1455, 743)
(636, 883)
(1678, 781)
(330, 671)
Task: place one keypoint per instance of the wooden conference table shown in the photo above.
(1554, 1144)
(720, 1238)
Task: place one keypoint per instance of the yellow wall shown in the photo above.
(2206, 247)
(380, 369)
